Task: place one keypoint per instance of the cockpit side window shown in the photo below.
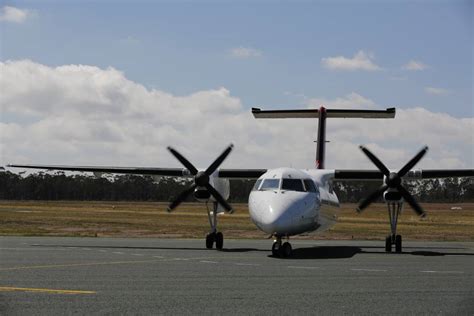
(256, 185)
(309, 185)
(270, 184)
(292, 185)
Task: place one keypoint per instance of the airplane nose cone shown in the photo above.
(274, 215)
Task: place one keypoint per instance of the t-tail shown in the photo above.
(322, 114)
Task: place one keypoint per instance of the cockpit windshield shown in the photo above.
(292, 185)
(270, 184)
(257, 185)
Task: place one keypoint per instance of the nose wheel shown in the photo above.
(214, 236)
(282, 250)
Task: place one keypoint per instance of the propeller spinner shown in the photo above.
(393, 181)
(201, 179)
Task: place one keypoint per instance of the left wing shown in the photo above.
(414, 174)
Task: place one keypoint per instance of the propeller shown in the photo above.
(201, 179)
(393, 180)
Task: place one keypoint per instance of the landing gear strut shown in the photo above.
(281, 250)
(214, 236)
(394, 210)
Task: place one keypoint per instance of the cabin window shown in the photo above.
(256, 185)
(270, 184)
(292, 185)
(309, 185)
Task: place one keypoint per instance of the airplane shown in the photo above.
(285, 202)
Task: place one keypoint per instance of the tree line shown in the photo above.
(59, 186)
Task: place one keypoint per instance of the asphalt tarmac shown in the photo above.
(64, 276)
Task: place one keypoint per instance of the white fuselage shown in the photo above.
(286, 201)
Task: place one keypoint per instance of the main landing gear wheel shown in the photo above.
(210, 238)
(388, 244)
(398, 243)
(218, 238)
(393, 240)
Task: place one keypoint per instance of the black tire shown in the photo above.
(388, 244)
(275, 248)
(285, 250)
(210, 238)
(219, 240)
(398, 243)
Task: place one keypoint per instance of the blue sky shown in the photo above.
(185, 47)
(116, 82)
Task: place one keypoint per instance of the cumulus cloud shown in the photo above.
(360, 61)
(350, 101)
(14, 15)
(244, 52)
(415, 65)
(437, 91)
(77, 114)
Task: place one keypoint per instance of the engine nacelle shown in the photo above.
(221, 185)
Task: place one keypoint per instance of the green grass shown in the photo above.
(150, 219)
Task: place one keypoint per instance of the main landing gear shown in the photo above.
(214, 236)
(281, 250)
(394, 210)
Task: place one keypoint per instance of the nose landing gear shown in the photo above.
(281, 250)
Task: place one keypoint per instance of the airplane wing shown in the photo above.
(353, 174)
(165, 172)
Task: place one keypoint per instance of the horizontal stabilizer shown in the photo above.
(330, 113)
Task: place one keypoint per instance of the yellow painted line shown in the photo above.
(27, 289)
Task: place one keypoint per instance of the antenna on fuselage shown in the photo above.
(322, 114)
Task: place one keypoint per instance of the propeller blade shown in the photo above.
(181, 197)
(412, 162)
(210, 170)
(371, 198)
(411, 200)
(219, 197)
(375, 160)
(184, 161)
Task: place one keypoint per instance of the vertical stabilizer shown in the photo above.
(321, 114)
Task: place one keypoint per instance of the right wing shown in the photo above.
(165, 172)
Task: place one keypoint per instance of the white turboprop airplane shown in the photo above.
(286, 201)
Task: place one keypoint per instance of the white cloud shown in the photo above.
(86, 115)
(15, 15)
(437, 91)
(350, 101)
(360, 61)
(415, 65)
(244, 52)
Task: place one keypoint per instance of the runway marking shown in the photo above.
(432, 271)
(206, 261)
(137, 254)
(79, 264)
(118, 252)
(27, 289)
(180, 259)
(157, 256)
(297, 267)
(369, 270)
(247, 264)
